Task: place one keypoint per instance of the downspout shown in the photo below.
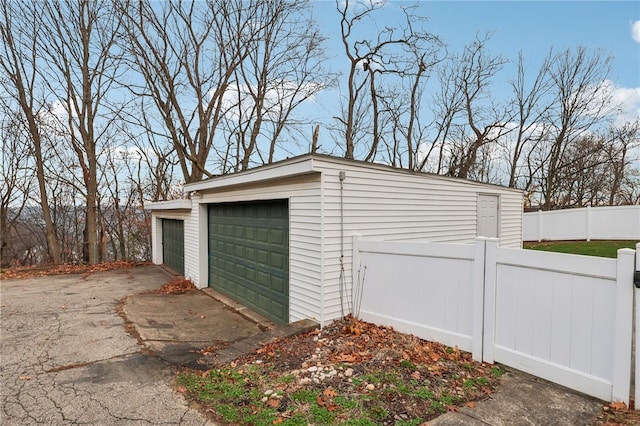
(341, 176)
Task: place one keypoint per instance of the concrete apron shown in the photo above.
(200, 329)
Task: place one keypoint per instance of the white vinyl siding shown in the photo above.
(386, 204)
(511, 221)
(305, 254)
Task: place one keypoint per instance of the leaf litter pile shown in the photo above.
(176, 286)
(350, 372)
(23, 272)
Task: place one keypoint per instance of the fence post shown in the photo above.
(624, 326)
(540, 224)
(490, 269)
(589, 225)
(637, 330)
(478, 298)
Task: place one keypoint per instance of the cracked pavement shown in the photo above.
(66, 358)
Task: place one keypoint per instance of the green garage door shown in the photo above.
(173, 244)
(249, 255)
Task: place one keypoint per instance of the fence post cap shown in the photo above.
(626, 251)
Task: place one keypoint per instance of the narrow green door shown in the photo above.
(173, 244)
(249, 255)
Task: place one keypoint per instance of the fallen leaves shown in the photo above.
(273, 402)
(177, 286)
(330, 393)
(45, 270)
(618, 405)
(402, 376)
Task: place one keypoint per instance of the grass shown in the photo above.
(600, 248)
(238, 398)
(392, 379)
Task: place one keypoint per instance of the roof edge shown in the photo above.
(312, 162)
(179, 204)
(280, 169)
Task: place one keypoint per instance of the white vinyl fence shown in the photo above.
(597, 223)
(565, 318)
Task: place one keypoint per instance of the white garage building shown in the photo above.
(278, 238)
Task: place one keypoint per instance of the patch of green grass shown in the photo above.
(447, 399)
(405, 363)
(497, 372)
(378, 377)
(345, 402)
(598, 248)
(305, 395)
(469, 384)
(482, 381)
(321, 415)
(378, 413)
(287, 378)
(424, 393)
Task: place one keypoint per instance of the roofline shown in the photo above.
(180, 204)
(281, 169)
(308, 163)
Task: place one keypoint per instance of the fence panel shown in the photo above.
(554, 317)
(419, 288)
(565, 318)
(599, 223)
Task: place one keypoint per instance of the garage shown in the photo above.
(279, 238)
(173, 244)
(249, 254)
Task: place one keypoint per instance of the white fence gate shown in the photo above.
(565, 318)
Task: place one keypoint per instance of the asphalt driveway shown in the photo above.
(67, 359)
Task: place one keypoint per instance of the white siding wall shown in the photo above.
(305, 239)
(511, 209)
(392, 206)
(191, 259)
(156, 232)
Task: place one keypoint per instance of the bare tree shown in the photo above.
(582, 101)
(283, 68)
(447, 103)
(16, 179)
(224, 76)
(21, 34)
(622, 141)
(79, 42)
(483, 121)
(404, 53)
(531, 105)
(186, 53)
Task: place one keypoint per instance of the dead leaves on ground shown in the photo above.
(618, 413)
(45, 270)
(360, 354)
(176, 286)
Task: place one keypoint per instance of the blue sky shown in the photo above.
(531, 26)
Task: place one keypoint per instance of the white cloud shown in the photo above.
(627, 100)
(238, 99)
(635, 31)
(620, 103)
